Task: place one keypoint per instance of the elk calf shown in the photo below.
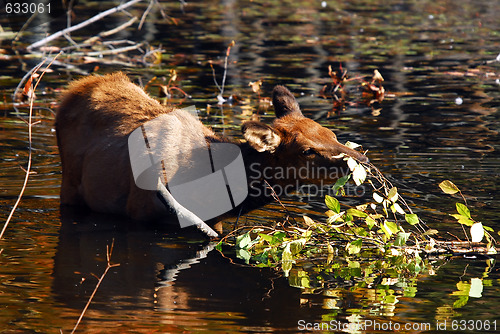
(98, 113)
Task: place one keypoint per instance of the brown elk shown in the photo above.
(98, 113)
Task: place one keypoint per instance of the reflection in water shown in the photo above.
(176, 282)
(141, 253)
(175, 277)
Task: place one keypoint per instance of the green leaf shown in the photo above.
(340, 183)
(386, 230)
(411, 218)
(463, 289)
(489, 229)
(462, 219)
(401, 238)
(414, 268)
(389, 228)
(299, 279)
(360, 231)
(463, 210)
(286, 260)
(279, 235)
(392, 226)
(266, 237)
(393, 195)
(296, 246)
(353, 264)
(448, 187)
(243, 254)
(286, 266)
(370, 222)
(409, 291)
(287, 253)
(332, 203)
(347, 218)
(242, 241)
(357, 213)
(461, 301)
(262, 259)
(354, 247)
(397, 208)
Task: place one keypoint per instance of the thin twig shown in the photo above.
(30, 125)
(82, 24)
(275, 196)
(108, 52)
(109, 251)
(25, 25)
(214, 76)
(221, 88)
(225, 65)
(21, 83)
(111, 31)
(387, 185)
(145, 14)
(68, 50)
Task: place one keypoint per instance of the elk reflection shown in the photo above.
(174, 276)
(147, 257)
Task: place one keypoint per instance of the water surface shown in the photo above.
(439, 120)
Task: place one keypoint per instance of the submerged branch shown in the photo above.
(109, 251)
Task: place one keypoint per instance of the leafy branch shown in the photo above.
(385, 228)
(477, 230)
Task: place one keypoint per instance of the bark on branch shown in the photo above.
(81, 25)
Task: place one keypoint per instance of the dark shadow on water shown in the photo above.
(166, 272)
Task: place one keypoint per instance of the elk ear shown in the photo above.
(284, 102)
(261, 136)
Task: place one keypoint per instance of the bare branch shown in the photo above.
(108, 52)
(30, 125)
(119, 28)
(146, 12)
(82, 24)
(109, 251)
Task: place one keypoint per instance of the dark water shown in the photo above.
(439, 120)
